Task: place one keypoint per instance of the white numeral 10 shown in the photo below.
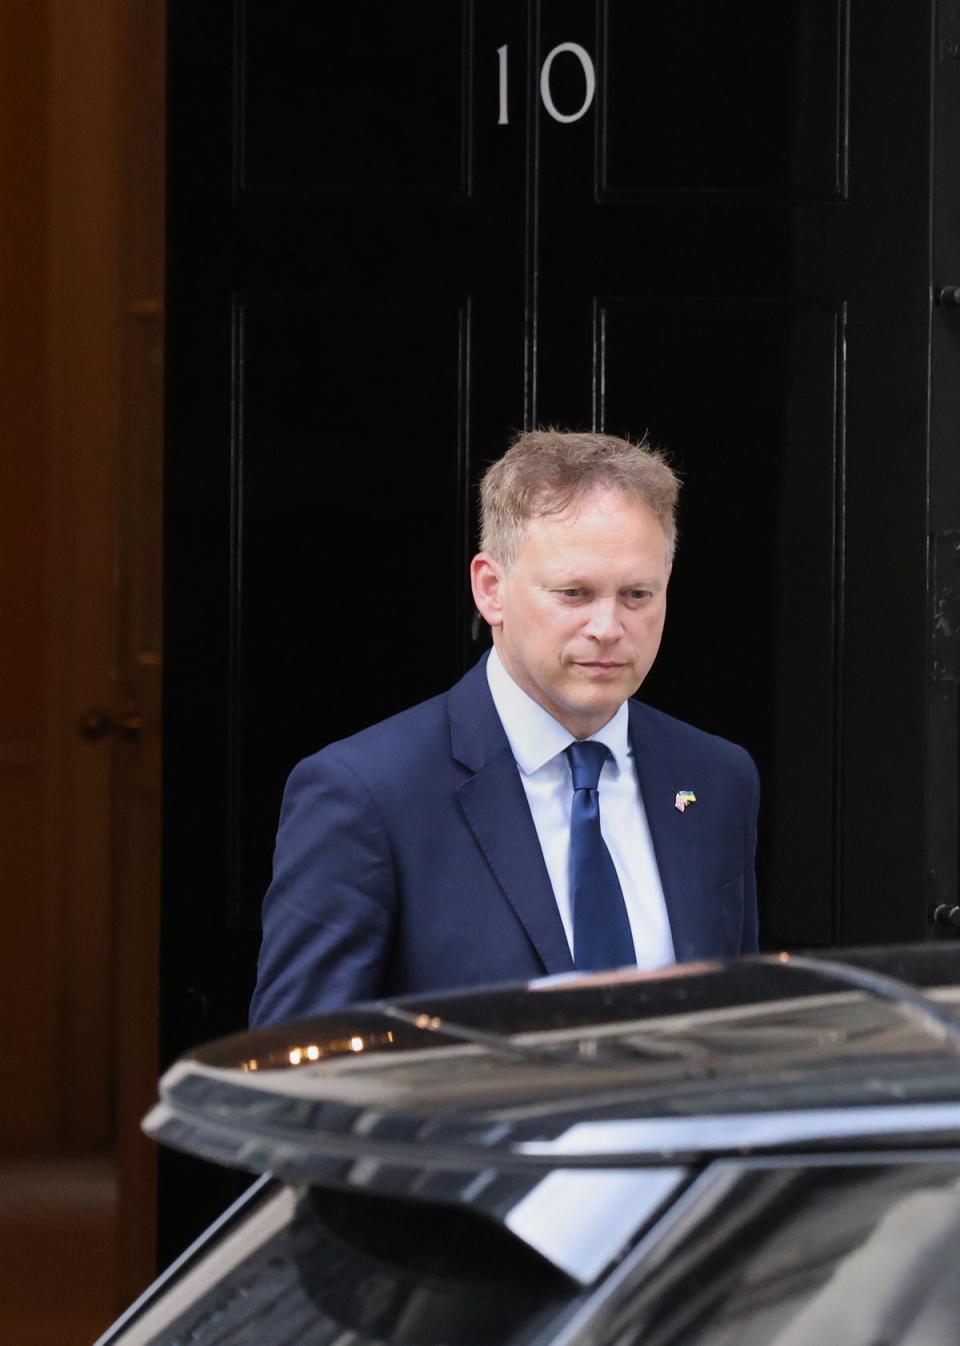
(546, 94)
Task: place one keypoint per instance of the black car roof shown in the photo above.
(860, 1048)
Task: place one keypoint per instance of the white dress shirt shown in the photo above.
(538, 741)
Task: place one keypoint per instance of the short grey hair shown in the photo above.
(547, 471)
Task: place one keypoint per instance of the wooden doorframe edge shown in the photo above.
(82, 302)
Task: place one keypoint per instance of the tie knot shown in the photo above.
(586, 762)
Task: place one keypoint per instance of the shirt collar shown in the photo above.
(535, 737)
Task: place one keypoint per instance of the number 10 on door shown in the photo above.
(546, 92)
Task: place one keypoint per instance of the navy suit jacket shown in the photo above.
(407, 858)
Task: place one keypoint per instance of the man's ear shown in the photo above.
(486, 581)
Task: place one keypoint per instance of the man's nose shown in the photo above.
(604, 622)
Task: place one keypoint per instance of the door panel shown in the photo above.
(656, 137)
(340, 103)
(353, 531)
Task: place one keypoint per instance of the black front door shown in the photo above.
(398, 233)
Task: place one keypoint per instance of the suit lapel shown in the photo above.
(676, 835)
(496, 810)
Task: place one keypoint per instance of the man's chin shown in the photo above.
(595, 687)
(591, 712)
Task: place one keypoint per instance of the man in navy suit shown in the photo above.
(461, 842)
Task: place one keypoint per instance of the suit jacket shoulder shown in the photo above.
(661, 730)
(449, 737)
(386, 748)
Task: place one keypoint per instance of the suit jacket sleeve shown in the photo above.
(329, 912)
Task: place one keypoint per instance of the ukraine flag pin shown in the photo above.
(684, 797)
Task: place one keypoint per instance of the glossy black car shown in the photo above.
(765, 1153)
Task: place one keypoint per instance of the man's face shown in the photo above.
(577, 620)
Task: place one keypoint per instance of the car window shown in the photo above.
(319, 1268)
(827, 1252)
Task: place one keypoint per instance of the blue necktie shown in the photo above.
(601, 930)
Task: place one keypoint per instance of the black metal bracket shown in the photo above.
(944, 916)
(945, 596)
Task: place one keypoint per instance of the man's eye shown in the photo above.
(571, 593)
(639, 594)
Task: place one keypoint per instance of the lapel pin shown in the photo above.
(684, 797)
